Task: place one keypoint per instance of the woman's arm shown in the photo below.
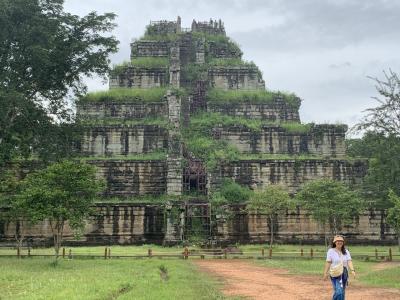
(326, 269)
(351, 267)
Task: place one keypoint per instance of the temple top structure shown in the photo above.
(172, 27)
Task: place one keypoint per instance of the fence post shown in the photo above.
(149, 253)
(202, 256)
(225, 253)
(18, 252)
(63, 253)
(390, 254)
(301, 252)
(262, 252)
(105, 253)
(376, 254)
(109, 252)
(270, 252)
(29, 252)
(185, 253)
(70, 254)
(312, 253)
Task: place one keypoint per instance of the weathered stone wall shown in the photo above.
(289, 173)
(143, 223)
(298, 227)
(212, 27)
(144, 78)
(123, 139)
(131, 178)
(150, 48)
(235, 78)
(279, 110)
(114, 224)
(123, 110)
(321, 140)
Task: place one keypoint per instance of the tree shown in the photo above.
(11, 210)
(44, 54)
(63, 192)
(383, 174)
(330, 203)
(385, 118)
(269, 202)
(393, 217)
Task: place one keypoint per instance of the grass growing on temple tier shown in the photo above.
(126, 95)
(104, 279)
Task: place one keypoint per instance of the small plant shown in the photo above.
(163, 272)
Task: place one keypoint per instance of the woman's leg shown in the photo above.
(338, 288)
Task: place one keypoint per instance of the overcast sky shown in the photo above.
(322, 50)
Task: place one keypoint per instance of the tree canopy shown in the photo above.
(269, 202)
(63, 192)
(330, 203)
(44, 54)
(393, 217)
(384, 118)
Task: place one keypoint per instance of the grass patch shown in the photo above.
(103, 279)
(157, 155)
(294, 127)
(204, 122)
(126, 95)
(87, 121)
(150, 62)
(147, 62)
(150, 199)
(220, 97)
(265, 156)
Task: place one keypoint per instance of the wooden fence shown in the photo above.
(217, 253)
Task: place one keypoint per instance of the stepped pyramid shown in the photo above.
(186, 112)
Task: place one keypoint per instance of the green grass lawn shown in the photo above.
(37, 278)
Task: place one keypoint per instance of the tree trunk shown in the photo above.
(326, 238)
(19, 236)
(57, 236)
(271, 240)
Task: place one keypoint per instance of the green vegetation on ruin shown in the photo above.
(142, 63)
(157, 155)
(266, 156)
(218, 41)
(149, 199)
(161, 122)
(198, 138)
(127, 95)
(150, 62)
(207, 121)
(103, 279)
(223, 97)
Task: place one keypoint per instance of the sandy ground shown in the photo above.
(242, 278)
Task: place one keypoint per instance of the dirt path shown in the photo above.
(242, 278)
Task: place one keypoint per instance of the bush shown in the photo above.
(234, 192)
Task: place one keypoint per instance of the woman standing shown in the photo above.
(337, 266)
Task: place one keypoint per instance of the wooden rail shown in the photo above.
(217, 253)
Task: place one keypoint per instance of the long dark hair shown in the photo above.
(343, 250)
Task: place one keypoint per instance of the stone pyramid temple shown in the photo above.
(184, 114)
